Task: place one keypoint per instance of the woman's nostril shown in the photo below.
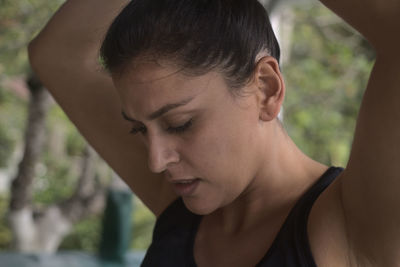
(161, 156)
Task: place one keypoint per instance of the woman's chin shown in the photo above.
(199, 206)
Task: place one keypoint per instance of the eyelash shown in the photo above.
(137, 130)
(172, 130)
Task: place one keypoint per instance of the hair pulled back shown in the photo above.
(197, 35)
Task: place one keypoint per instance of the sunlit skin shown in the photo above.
(246, 162)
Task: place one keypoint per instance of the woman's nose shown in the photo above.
(161, 154)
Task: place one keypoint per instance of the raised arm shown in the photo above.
(371, 182)
(65, 57)
(377, 20)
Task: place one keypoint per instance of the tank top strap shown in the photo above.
(291, 246)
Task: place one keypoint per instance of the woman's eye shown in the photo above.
(136, 130)
(180, 129)
(174, 130)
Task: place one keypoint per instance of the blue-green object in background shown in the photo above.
(117, 224)
(66, 259)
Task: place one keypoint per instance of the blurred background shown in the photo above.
(61, 204)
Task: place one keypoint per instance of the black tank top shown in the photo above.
(175, 231)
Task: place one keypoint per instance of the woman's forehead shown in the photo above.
(148, 78)
(141, 72)
(149, 86)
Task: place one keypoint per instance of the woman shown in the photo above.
(199, 84)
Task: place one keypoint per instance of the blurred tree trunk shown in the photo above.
(282, 18)
(21, 189)
(270, 4)
(20, 210)
(43, 231)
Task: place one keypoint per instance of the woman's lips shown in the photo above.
(185, 187)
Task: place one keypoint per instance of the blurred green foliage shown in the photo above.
(85, 236)
(19, 22)
(56, 179)
(143, 224)
(12, 120)
(6, 146)
(325, 80)
(5, 233)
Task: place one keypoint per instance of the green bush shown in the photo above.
(6, 146)
(85, 236)
(5, 233)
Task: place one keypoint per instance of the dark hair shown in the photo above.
(197, 35)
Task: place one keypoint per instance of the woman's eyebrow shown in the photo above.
(126, 117)
(161, 111)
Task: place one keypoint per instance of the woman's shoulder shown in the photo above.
(327, 228)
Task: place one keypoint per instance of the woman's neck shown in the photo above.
(283, 177)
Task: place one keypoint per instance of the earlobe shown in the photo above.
(270, 88)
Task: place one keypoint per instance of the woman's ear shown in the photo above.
(270, 88)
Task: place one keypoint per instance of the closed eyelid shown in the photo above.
(168, 107)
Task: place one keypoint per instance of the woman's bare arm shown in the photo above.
(65, 57)
(371, 182)
(377, 20)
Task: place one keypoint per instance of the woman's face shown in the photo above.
(201, 137)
